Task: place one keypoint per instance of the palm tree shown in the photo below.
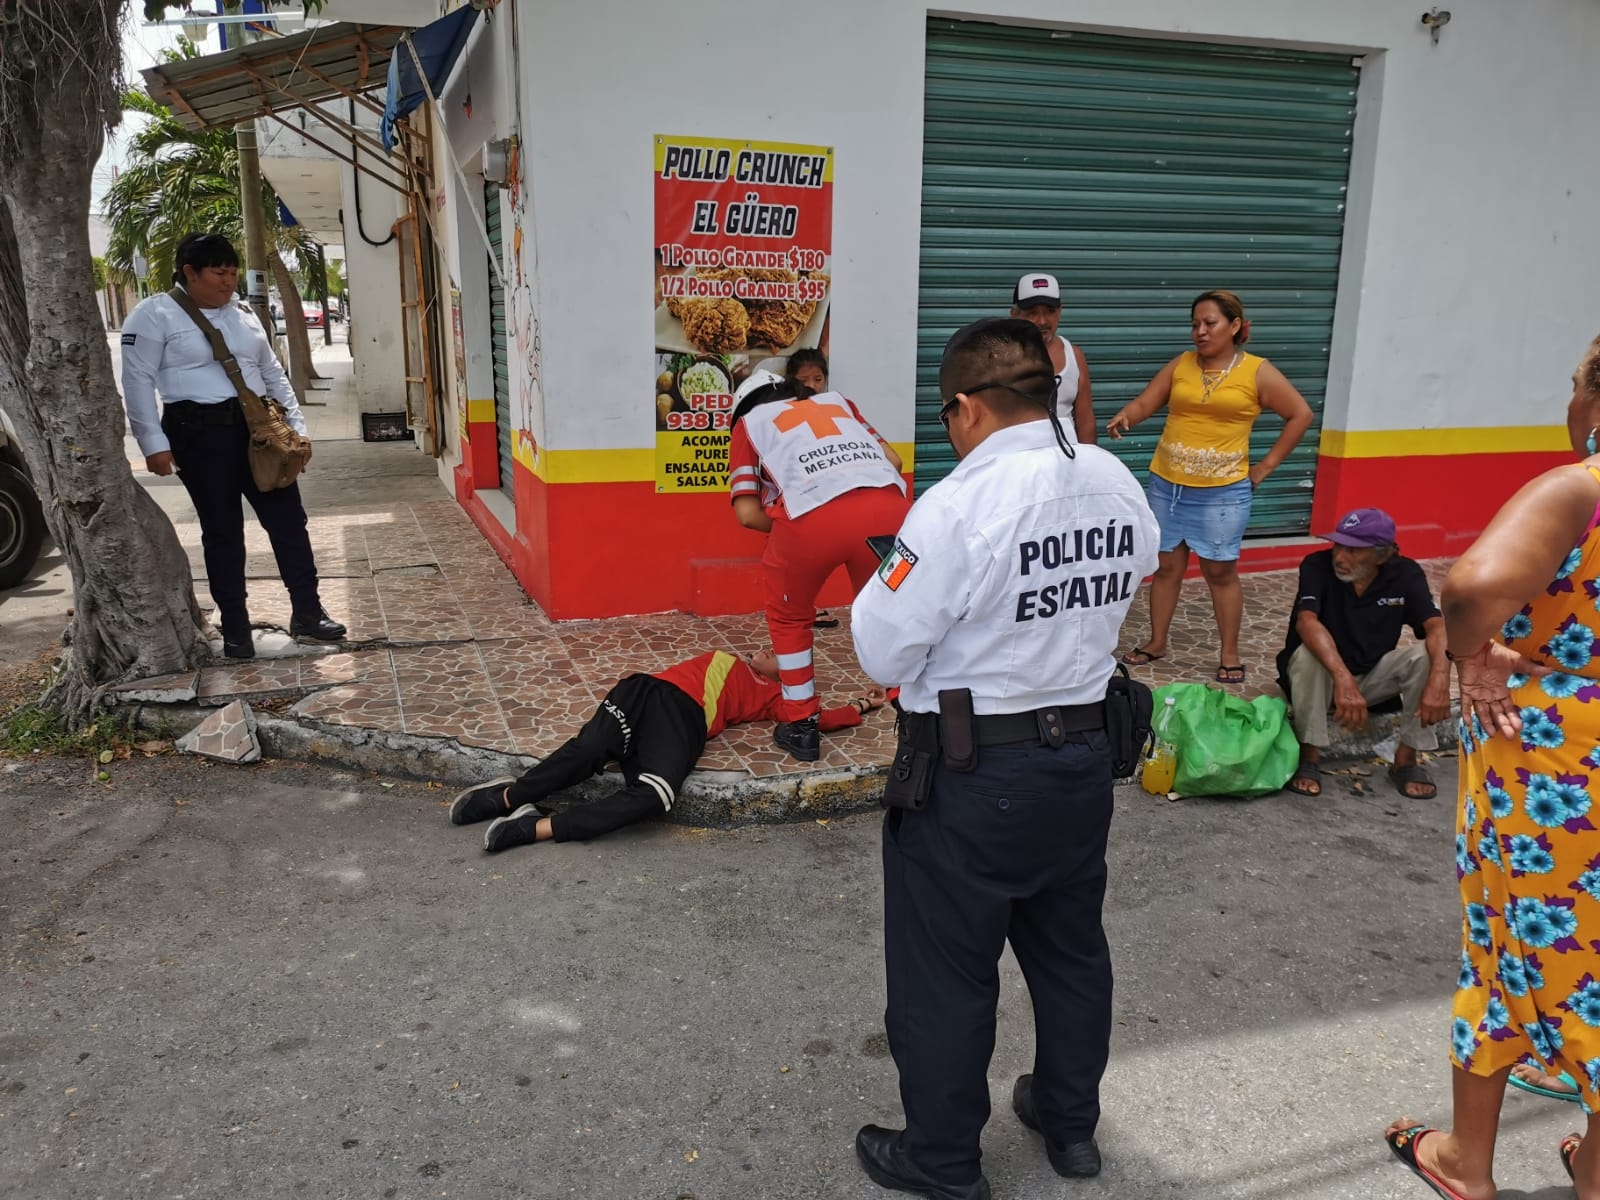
(180, 181)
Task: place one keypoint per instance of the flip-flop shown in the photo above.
(824, 620)
(1568, 1150)
(1140, 658)
(1411, 773)
(1225, 675)
(1548, 1093)
(1403, 1144)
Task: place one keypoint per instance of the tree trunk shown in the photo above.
(301, 370)
(135, 613)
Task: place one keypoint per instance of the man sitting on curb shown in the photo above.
(1353, 601)
(655, 727)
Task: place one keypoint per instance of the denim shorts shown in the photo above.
(1209, 520)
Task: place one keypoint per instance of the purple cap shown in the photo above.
(1362, 528)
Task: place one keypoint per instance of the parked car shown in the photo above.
(22, 525)
(313, 312)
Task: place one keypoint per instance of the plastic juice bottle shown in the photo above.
(1161, 760)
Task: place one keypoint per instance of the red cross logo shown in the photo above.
(822, 418)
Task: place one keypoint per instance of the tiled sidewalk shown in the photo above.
(444, 644)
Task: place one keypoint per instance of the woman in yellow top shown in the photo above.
(1201, 479)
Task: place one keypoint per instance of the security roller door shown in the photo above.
(497, 329)
(1141, 173)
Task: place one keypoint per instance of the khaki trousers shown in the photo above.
(1402, 672)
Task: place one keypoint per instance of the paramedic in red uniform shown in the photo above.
(818, 480)
(655, 727)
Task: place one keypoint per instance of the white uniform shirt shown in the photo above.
(164, 351)
(1067, 391)
(1012, 577)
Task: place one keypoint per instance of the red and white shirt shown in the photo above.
(796, 455)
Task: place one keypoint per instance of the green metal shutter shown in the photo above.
(497, 328)
(1141, 173)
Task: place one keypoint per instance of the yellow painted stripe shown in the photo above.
(716, 679)
(481, 411)
(524, 451)
(598, 466)
(1410, 443)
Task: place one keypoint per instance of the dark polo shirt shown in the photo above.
(1364, 627)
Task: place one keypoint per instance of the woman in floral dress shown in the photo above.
(1527, 832)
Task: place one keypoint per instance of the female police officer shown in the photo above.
(998, 614)
(201, 433)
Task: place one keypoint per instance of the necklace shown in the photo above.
(1208, 384)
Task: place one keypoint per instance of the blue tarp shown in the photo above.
(438, 46)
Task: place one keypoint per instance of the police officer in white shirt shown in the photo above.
(200, 432)
(998, 614)
(1037, 300)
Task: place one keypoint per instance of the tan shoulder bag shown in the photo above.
(277, 452)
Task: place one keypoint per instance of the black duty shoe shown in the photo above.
(481, 803)
(887, 1166)
(521, 828)
(1074, 1160)
(802, 739)
(317, 626)
(240, 647)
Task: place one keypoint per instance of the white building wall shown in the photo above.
(372, 273)
(1467, 289)
(482, 80)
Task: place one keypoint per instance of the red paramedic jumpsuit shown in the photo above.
(819, 471)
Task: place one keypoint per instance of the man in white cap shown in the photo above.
(1037, 300)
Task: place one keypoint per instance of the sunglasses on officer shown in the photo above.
(949, 405)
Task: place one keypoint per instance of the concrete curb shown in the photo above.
(708, 798)
(719, 798)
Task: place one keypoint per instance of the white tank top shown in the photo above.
(817, 450)
(1067, 391)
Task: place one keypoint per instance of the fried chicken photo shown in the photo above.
(777, 323)
(715, 326)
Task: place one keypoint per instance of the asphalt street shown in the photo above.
(279, 981)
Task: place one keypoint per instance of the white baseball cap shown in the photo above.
(758, 379)
(1036, 288)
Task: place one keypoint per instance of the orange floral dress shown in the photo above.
(1528, 849)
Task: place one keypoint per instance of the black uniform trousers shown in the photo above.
(213, 463)
(653, 729)
(1013, 849)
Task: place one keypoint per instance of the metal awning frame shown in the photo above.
(252, 90)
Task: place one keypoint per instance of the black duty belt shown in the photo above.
(1045, 725)
(1039, 725)
(226, 412)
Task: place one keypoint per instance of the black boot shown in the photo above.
(1072, 1160)
(888, 1166)
(802, 739)
(317, 626)
(240, 645)
(236, 639)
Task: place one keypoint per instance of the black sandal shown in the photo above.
(1412, 773)
(824, 620)
(1306, 772)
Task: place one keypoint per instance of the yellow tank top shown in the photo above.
(1206, 442)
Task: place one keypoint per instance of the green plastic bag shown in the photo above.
(1227, 746)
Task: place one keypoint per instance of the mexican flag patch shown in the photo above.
(896, 565)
